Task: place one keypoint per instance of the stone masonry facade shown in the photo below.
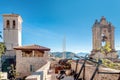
(102, 32)
(23, 63)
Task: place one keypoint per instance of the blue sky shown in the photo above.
(46, 22)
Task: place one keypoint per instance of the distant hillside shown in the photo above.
(118, 51)
(71, 54)
(68, 54)
(82, 54)
(60, 54)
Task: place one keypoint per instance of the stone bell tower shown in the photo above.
(12, 25)
(103, 32)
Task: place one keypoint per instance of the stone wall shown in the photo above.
(10, 53)
(23, 63)
(99, 55)
(40, 74)
(3, 75)
(89, 70)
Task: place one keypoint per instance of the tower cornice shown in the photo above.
(13, 15)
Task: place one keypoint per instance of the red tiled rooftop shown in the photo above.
(32, 47)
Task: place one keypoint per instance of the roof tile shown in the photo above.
(32, 47)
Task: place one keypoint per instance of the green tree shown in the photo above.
(12, 72)
(106, 48)
(2, 48)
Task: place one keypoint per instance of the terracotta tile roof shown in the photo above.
(32, 47)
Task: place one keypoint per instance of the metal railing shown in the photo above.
(98, 63)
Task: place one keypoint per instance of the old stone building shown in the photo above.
(30, 58)
(102, 33)
(12, 30)
(12, 27)
(27, 59)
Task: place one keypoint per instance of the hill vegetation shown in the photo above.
(60, 54)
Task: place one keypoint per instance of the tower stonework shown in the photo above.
(12, 25)
(103, 32)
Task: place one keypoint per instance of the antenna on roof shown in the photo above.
(64, 47)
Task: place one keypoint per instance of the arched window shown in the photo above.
(14, 24)
(104, 38)
(7, 24)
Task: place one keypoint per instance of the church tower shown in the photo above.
(12, 27)
(103, 32)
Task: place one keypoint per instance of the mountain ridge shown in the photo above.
(68, 54)
(71, 54)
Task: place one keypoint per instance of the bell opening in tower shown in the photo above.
(13, 24)
(8, 24)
